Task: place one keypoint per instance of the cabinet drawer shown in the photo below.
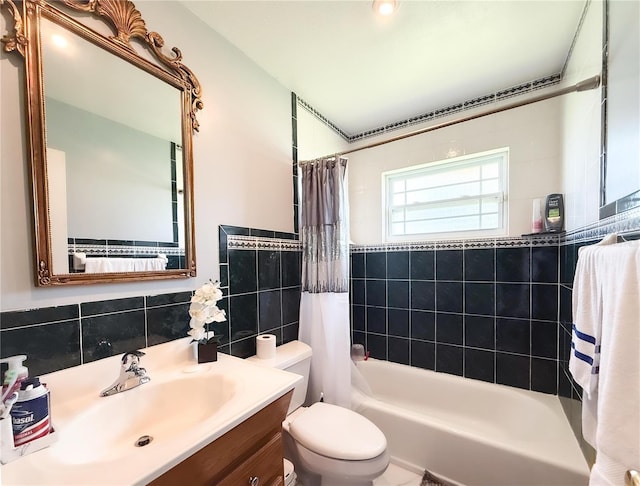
(265, 464)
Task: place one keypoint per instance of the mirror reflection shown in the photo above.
(114, 160)
(621, 173)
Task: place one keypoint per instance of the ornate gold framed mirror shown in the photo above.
(110, 121)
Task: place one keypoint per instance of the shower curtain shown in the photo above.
(324, 303)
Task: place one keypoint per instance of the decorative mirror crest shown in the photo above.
(16, 40)
(135, 153)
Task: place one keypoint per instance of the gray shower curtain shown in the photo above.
(324, 304)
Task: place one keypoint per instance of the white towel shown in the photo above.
(607, 472)
(611, 411)
(151, 264)
(79, 260)
(587, 320)
(109, 265)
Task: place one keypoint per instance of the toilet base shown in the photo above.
(315, 470)
(306, 478)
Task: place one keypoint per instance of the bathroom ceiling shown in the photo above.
(363, 71)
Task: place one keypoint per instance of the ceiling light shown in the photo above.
(385, 7)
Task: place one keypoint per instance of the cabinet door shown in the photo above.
(261, 469)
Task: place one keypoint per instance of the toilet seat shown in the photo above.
(336, 433)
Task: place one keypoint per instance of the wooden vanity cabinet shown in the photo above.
(249, 454)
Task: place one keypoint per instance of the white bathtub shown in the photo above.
(470, 432)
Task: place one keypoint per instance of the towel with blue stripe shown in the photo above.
(587, 307)
(584, 362)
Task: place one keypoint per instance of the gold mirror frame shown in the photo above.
(127, 23)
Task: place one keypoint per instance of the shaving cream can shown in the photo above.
(30, 414)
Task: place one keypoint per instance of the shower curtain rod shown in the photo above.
(585, 85)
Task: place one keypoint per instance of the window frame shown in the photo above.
(433, 167)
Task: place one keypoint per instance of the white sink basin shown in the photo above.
(184, 408)
(111, 426)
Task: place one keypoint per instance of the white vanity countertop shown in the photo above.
(184, 407)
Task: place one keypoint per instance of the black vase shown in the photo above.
(207, 353)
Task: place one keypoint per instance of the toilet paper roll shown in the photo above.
(266, 346)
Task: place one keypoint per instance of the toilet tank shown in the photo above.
(294, 357)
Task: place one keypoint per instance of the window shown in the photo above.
(464, 196)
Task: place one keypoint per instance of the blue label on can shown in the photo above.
(30, 419)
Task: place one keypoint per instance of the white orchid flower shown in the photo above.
(199, 312)
(203, 310)
(196, 323)
(208, 294)
(197, 333)
(218, 315)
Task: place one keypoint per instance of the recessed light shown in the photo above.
(385, 7)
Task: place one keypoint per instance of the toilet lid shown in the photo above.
(338, 433)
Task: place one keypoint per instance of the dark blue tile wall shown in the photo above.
(55, 338)
(261, 281)
(482, 310)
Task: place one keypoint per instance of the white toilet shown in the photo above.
(328, 445)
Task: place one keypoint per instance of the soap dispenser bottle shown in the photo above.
(14, 375)
(554, 213)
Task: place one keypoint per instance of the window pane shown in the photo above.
(397, 215)
(458, 195)
(490, 206)
(418, 227)
(465, 174)
(444, 210)
(451, 192)
(397, 185)
(423, 196)
(397, 229)
(414, 214)
(442, 177)
(490, 171)
(464, 223)
(490, 186)
(490, 221)
(462, 208)
(420, 182)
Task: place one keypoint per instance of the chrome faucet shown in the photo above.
(131, 374)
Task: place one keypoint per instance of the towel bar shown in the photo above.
(632, 478)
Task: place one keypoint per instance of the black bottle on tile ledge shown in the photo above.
(554, 213)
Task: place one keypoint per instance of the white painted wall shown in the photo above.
(242, 160)
(315, 138)
(580, 126)
(532, 134)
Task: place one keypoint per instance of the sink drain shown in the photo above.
(143, 441)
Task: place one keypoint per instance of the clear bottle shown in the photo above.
(536, 217)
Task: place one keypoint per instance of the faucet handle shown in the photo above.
(131, 359)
